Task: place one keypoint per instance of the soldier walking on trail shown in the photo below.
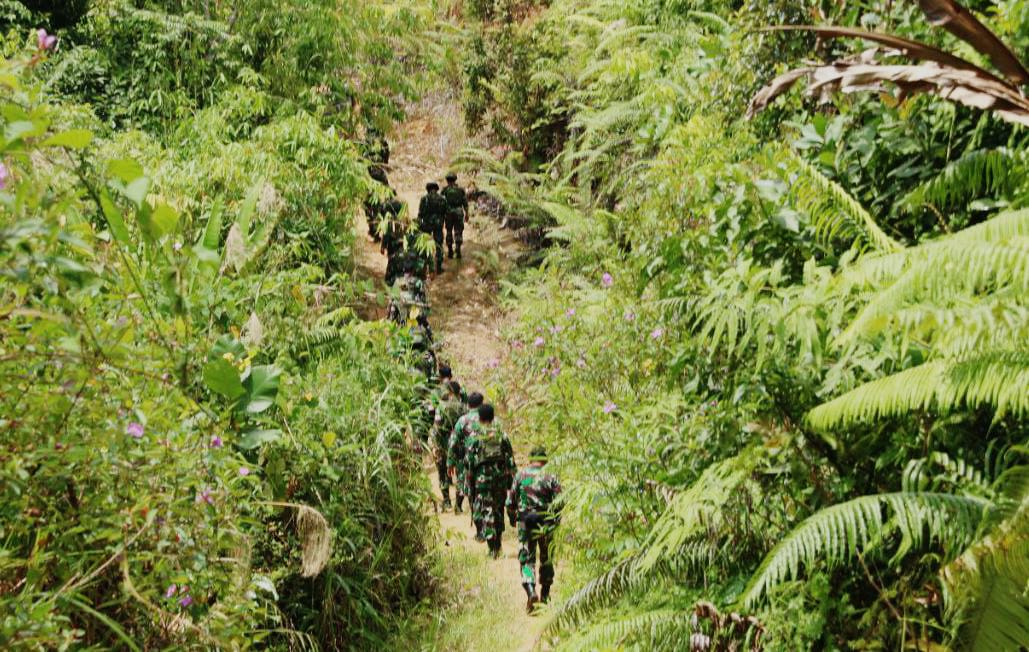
(491, 462)
(457, 457)
(447, 412)
(457, 213)
(394, 232)
(532, 502)
(432, 212)
(373, 206)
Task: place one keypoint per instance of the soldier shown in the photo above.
(532, 502)
(447, 412)
(408, 301)
(457, 457)
(457, 213)
(432, 212)
(376, 146)
(374, 207)
(393, 237)
(492, 467)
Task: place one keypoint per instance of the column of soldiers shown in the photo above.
(470, 450)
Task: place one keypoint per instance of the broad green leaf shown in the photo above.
(227, 344)
(262, 386)
(255, 438)
(246, 212)
(20, 129)
(213, 231)
(222, 377)
(114, 218)
(136, 190)
(72, 139)
(125, 170)
(164, 218)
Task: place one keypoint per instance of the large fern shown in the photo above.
(837, 533)
(999, 171)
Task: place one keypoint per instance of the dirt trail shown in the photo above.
(487, 606)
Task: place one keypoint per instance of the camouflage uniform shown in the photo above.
(373, 207)
(491, 467)
(432, 211)
(531, 501)
(457, 210)
(456, 457)
(393, 239)
(447, 412)
(408, 295)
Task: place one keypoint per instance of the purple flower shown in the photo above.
(45, 41)
(629, 315)
(177, 246)
(609, 407)
(185, 601)
(539, 342)
(5, 174)
(205, 497)
(657, 333)
(570, 312)
(517, 344)
(555, 371)
(607, 280)
(581, 362)
(216, 442)
(494, 363)
(170, 591)
(554, 330)
(244, 471)
(134, 430)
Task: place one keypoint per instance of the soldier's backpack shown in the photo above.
(491, 446)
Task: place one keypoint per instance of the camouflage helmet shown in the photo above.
(538, 454)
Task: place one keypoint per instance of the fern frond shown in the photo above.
(645, 630)
(836, 533)
(986, 586)
(834, 213)
(998, 379)
(919, 475)
(975, 174)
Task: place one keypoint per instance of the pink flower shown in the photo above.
(581, 362)
(555, 371)
(170, 591)
(657, 333)
(134, 430)
(517, 344)
(570, 312)
(554, 330)
(629, 315)
(539, 342)
(244, 471)
(494, 363)
(5, 175)
(177, 246)
(609, 407)
(607, 280)
(216, 442)
(185, 601)
(45, 41)
(205, 497)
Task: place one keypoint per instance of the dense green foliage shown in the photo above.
(202, 447)
(784, 361)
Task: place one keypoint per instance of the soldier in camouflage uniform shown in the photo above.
(446, 414)
(532, 502)
(432, 212)
(457, 457)
(374, 207)
(492, 468)
(457, 213)
(394, 232)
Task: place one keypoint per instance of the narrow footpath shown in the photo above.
(482, 605)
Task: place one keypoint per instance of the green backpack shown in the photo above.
(491, 446)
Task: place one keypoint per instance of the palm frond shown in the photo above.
(647, 630)
(837, 533)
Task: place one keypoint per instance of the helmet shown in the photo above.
(451, 176)
(538, 454)
(432, 185)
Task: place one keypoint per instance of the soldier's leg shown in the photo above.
(477, 513)
(545, 541)
(444, 480)
(459, 234)
(438, 237)
(527, 563)
(450, 236)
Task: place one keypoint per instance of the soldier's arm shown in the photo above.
(512, 499)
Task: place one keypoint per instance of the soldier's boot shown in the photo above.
(545, 593)
(446, 498)
(450, 251)
(530, 601)
(459, 501)
(458, 249)
(478, 532)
